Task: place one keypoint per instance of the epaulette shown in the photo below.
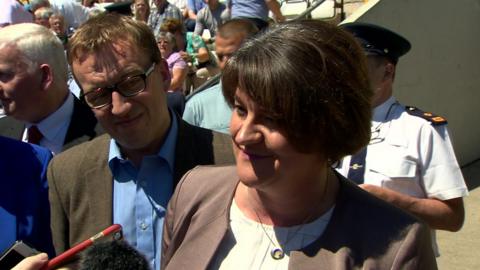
(436, 120)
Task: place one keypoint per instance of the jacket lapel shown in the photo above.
(83, 125)
(12, 128)
(99, 188)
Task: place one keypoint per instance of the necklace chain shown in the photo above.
(278, 252)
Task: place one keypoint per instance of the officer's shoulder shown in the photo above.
(434, 119)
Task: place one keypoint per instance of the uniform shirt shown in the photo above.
(156, 19)
(54, 127)
(409, 155)
(209, 109)
(141, 195)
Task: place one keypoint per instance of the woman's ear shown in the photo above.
(47, 76)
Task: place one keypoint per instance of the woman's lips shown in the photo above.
(254, 156)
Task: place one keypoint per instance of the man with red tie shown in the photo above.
(34, 93)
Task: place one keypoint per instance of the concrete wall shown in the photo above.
(441, 73)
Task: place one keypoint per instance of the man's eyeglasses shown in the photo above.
(128, 87)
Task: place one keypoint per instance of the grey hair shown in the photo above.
(169, 37)
(36, 4)
(38, 45)
(43, 13)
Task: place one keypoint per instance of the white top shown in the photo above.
(409, 155)
(246, 245)
(54, 127)
(74, 13)
(12, 12)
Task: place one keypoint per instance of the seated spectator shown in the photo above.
(201, 62)
(255, 10)
(175, 27)
(176, 65)
(193, 7)
(42, 15)
(74, 13)
(164, 11)
(209, 18)
(24, 208)
(141, 10)
(182, 5)
(57, 25)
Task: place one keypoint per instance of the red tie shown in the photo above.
(34, 135)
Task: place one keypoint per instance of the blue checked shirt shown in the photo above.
(168, 11)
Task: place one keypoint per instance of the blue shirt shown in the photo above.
(141, 195)
(249, 9)
(24, 207)
(195, 5)
(209, 109)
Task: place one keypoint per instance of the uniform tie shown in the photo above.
(34, 135)
(357, 166)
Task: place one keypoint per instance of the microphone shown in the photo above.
(113, 255)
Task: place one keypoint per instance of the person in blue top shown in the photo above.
(24, 208)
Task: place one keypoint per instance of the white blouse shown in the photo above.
(246, 245)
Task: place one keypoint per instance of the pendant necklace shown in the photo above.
(277, 251)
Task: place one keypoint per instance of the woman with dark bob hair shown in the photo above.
(301, 101)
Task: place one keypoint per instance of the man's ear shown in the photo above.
(47, 76)
(165, 74)
(389, 71)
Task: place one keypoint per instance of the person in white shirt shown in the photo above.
(12, 12)
(409, 161)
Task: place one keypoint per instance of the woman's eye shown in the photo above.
(239, 110)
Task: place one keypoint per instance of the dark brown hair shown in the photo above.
(311, 78)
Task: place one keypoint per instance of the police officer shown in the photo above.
(409, 161)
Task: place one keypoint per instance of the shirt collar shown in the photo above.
(166, 152)
(380, 112)
(52, 125)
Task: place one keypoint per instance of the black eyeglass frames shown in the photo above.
(129, 87)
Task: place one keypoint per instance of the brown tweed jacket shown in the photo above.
(81, 183)
(364, 232)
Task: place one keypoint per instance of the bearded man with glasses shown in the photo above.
(128, 175)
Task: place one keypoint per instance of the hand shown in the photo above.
(33, 262)
(185, 56)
